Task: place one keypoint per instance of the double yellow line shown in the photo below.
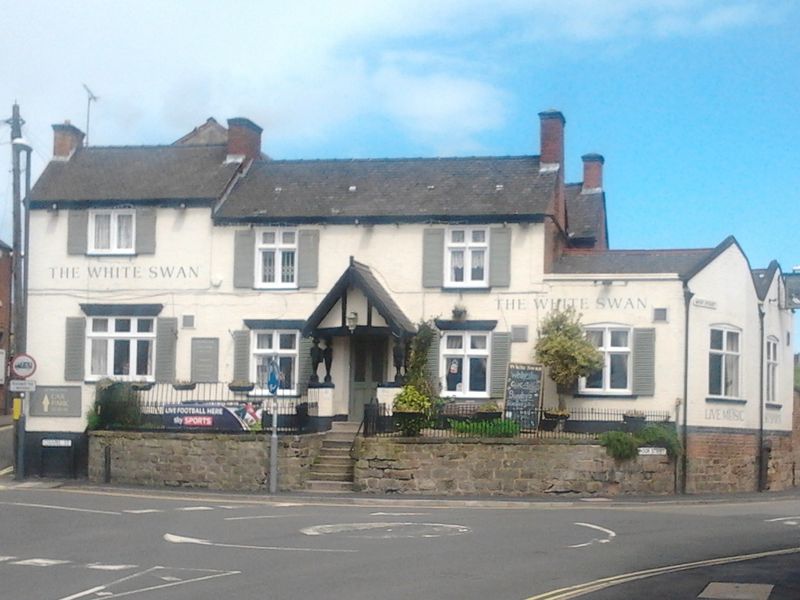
(576, 591)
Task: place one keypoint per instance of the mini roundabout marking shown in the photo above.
(388, 530)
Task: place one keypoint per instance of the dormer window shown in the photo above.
(112, 231)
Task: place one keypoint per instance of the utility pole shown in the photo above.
(19, 269)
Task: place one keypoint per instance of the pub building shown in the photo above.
(202, 259)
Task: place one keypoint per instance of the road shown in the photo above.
(85, 542)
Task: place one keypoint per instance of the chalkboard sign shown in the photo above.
(523, 394)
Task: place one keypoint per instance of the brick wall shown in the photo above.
(727, 462)
(507, 468)
(213, 461)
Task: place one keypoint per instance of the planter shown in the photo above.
(553, 423)
(241, 388)
(142, 386)
(183, 387)
(488, 416)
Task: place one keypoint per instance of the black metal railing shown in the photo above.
(463, 420)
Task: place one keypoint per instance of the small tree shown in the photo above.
(562, 347)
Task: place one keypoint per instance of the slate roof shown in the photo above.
(585, 212)
(390, 189)
(210, 132)
(793, 289)
(680, 262)
(762, 279)
(135, 173)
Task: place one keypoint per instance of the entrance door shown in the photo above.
(367, 370)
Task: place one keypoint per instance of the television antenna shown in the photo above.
(90, 98)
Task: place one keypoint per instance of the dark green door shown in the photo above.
(367, 370)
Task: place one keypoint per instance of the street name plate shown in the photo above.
(56, 401)
(56, 443)
(648, 451)
(22, 385)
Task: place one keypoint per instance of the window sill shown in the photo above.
(276, 288)
(773, 405)
(602, 396)
(726, 400)
(466, 288)
(110, 253)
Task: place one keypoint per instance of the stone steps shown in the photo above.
(332, 470)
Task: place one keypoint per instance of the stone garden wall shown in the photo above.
(200, 460)
(517, 467)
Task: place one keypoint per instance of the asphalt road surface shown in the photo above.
(87, 542)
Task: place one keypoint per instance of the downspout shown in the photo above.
(761, 466)
(687, 301)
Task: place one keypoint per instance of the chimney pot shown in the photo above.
(66, 140)
(551, 155)
(244, 139)
(592, 173)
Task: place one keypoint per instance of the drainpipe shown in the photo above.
(687, 301)
(761, 466)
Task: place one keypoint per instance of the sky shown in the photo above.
(695, 104)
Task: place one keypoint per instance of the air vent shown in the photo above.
(519, 333)
(660, 315)
(187, 322)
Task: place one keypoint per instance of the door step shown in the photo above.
(329, 487)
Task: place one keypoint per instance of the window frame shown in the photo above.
(465, 353)
(111, 336)
(279, 247)
(724, 352)
(114, 214)
(607, 350)
(772, 367)
(256, 352)
(467, 246)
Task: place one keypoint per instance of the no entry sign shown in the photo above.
(23, 366)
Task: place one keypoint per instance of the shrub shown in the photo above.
(116, 406)
(624, 446)
(620, 445)
(412, 410)
(493, 428)
(488, 407)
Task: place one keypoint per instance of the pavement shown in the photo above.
(6, 442)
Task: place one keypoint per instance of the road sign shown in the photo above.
(23, 366)
(22, 385)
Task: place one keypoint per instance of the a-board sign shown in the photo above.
(523, 393)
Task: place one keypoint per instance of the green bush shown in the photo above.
(412, 410)
(620, 445)
(493, 428)
(116, 406)
(624, 446)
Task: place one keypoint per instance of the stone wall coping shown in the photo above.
(185, 435)
(487, 441)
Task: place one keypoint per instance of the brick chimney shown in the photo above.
(592, 173)
(244, 140)
(66, 139)
(551, 139)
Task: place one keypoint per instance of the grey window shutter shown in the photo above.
(308, 258)
(500, 257)
(241, 355)
(303, 365)
(77, 231)
(432, 366)
(433, 258)
(75, 349)
(166, 348)
(146, 230)
(205, 360)
(244, 256)
(499, 359)
(644, 362)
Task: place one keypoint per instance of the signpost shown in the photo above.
(273, 381)
(22, 366)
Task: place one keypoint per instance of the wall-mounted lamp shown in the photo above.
(352, 321)
(53, 207)
(182, 205)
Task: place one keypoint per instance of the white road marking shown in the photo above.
(783, 519)
(582, 589)
(170, 578)
(398, 514)
(193, 508)
(85, 593)
(177, 539)
(611, 535)
(5, 558)
(258, 517)
(403, 529)
(69, 508)
(228, 507)
(142, 511)
(40, 562)
(6, 471)
(104, 567)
